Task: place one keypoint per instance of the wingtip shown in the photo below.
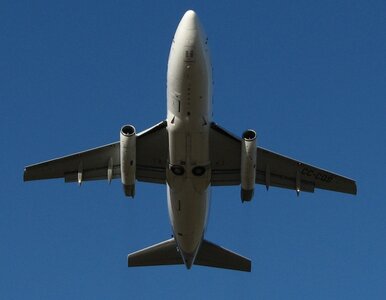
(352, 188)
(25, 175)
(249, 269)
(355, 190)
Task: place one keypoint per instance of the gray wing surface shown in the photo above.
(97, 163)
(272, 169)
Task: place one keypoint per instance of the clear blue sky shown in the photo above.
(308, 76)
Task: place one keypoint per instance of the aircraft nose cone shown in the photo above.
(190, 20)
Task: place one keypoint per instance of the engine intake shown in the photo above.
(128, 159)
(248, 164)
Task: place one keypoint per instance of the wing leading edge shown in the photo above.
(104, 162)
(272, 169)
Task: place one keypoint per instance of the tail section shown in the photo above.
(164, 253)
(209, 254)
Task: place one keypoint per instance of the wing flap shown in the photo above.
(282, 181)
(94, 174)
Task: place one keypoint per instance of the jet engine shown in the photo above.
(248, 164)
(128, 159)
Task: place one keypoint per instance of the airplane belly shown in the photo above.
(188, 181)
(188, 210)
(189, 81)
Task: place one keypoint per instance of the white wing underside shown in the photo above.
(272, 169)
(225, 154)
(152, 149)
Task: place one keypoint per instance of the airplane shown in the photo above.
(189, 153)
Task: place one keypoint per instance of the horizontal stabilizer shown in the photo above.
(211, 255)
(164, 253)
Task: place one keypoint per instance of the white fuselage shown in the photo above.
(189, 98)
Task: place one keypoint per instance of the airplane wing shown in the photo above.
(272, 169)
(104, 162)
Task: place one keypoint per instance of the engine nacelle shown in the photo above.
(128, 159)
(248, 164)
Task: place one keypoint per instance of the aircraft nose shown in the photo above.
(190, 20)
